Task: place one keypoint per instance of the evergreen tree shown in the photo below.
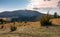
(55, 15)
(44, 20)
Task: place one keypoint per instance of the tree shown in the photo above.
(45, 20)
(55, 15)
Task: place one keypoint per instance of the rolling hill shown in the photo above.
(19, 13)
(22, 14)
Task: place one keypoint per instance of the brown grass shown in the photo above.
(31, 29)
(56, 21)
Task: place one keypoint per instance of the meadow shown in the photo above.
(30, 29)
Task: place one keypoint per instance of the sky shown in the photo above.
(40, 5)
(8, 5)
(43, 3)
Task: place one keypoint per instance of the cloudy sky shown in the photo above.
(41, 5)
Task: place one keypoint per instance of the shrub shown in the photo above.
(13, 28)
(1, 21)
(44, 20)
(2, 27)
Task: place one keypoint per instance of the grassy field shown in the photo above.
(30, 29)
(51, 31)
(56, 21)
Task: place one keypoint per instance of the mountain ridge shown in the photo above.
(28, 15)
(18, 13)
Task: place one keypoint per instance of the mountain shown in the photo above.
(22, 14)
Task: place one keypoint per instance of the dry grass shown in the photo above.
(31, 29)
(51, 31)
(56, 21)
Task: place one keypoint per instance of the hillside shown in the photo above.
(19, 13)
(28, 15)
(56, 21)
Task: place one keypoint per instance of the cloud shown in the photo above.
(42, 4)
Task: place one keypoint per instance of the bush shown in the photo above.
(13, 28)
(44, 20)
(1, 21)
(2, 27)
